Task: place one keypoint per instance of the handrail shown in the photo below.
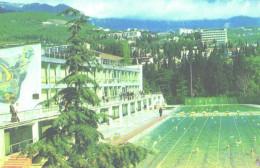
(28, 115)
(41, 113)
(19, 112)
(20, 145)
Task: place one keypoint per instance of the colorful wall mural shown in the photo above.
(19, 71)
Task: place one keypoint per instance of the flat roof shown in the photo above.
(108, 56)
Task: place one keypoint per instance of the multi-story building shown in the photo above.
(183, 31)
(211, 36)
(28, 76)
(128, 35)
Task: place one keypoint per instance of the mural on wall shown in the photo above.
(13, 71)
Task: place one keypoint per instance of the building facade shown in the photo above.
(128, 35)
(29, 76)
(214, 36)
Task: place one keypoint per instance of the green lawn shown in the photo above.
(202, 142)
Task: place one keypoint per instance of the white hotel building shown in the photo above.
(28, 76)
(208, 36)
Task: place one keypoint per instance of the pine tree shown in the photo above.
(73, 139)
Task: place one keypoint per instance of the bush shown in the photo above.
(249, 100)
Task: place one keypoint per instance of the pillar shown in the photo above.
(58, 73)
(35, 132)
(161, 100)
(2, 146)
(147, 104)
(49, 74)
(136, 106)
(121, 111)
(142, 105)
(152, 105)
(129, 109)
(156, 101)
(110, 113)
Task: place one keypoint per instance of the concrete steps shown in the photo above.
(18, 162)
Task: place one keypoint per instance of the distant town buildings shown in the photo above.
(186, 31)
(211, 36)
(128, 35)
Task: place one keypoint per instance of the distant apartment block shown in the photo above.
(128, 35)
(186, 31)
(209, 36)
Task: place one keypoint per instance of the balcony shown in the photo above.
(28, 116)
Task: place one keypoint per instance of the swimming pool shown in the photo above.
(205, 141)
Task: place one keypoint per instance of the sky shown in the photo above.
(160, 9)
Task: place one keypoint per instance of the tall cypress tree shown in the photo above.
(73, 139)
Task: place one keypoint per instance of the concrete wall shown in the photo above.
(20, 77)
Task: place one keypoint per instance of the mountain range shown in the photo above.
(151, 25)
(34, 7)
(157, 25)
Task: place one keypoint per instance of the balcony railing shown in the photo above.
(60, 55)
(53, 80)
(29, 115)
(18, 147)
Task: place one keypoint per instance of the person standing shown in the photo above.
(160, 111)
(17, 110)
(13, 111)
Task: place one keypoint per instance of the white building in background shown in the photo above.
(29, 76)
(128, 35)
(186, 31)
(211, 36)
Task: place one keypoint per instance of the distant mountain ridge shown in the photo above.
(123, 24)
(2, 10)
(34, 7)
(155, 25)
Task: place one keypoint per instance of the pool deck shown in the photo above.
(122, 130)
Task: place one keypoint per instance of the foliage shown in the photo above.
(216, 75)
(126, 53)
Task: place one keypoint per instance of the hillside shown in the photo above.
(31, 27)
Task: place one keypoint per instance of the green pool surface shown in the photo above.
(203, 142)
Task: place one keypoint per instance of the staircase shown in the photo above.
(18, 162)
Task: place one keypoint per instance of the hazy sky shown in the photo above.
(160, 9)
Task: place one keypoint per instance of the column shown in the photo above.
(156, 101)
(121, 111)
(110, 113)
(2, 146)
(136, 106)
(161, 100)
(142, 105)
(35, 132)
(49, 73)
(58, 73)
(129, 109)
(147, 104)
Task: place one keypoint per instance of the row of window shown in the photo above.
(53, 73)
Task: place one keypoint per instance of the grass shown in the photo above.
(209, 141)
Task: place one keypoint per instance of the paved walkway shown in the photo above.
(121, 130)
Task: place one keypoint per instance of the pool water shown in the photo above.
(205, 141)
